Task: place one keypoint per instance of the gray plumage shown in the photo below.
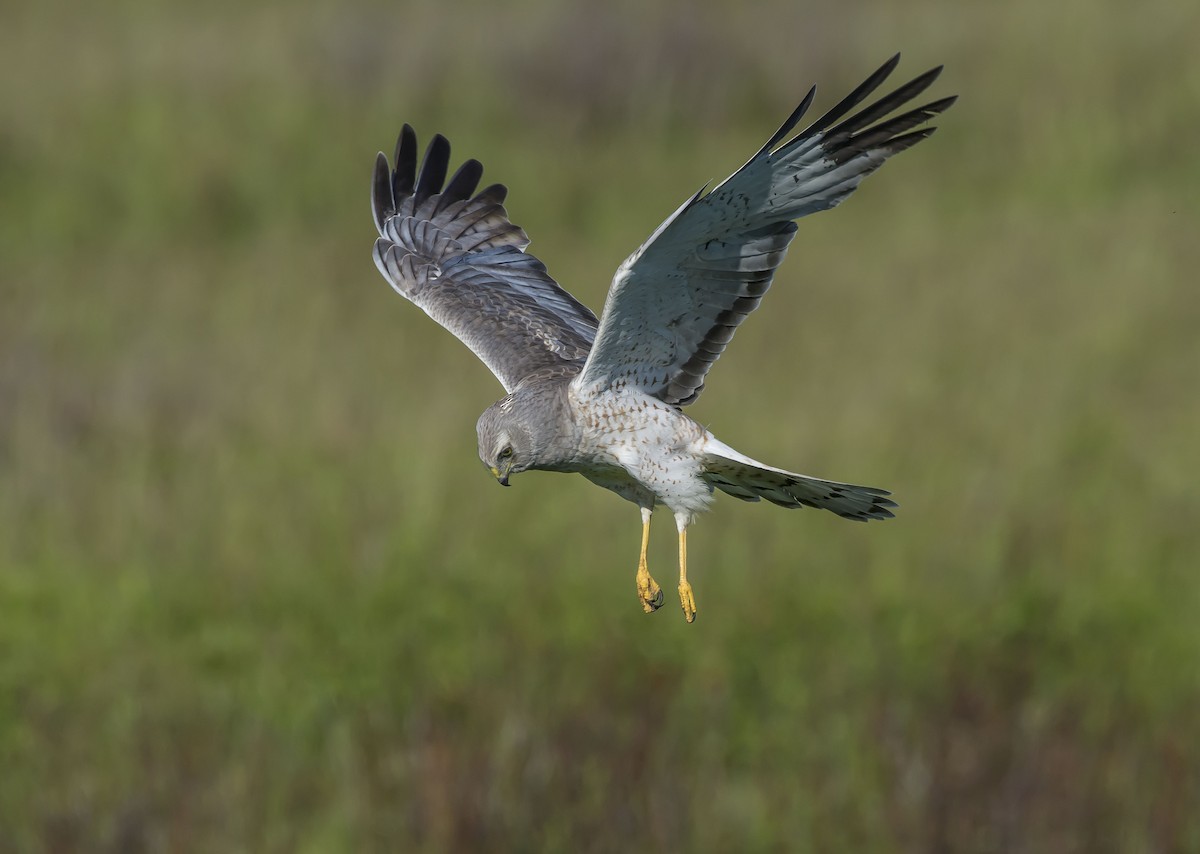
(458, 257)
(604, 397)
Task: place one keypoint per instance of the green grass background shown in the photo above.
(258, 594)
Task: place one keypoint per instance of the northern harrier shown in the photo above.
(605, 397)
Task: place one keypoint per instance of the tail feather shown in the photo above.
(751, 480)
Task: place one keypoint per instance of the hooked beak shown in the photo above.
(501, 477)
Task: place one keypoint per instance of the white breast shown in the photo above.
(656, 444)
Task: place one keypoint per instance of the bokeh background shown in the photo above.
(258, 594)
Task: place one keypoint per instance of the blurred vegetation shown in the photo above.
(257, 593)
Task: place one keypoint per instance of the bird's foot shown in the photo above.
(649, 592)
(688, 600)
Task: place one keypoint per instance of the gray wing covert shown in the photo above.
(676, 302)
(455, 254)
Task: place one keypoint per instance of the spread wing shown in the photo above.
(676, 302)
(455, 254)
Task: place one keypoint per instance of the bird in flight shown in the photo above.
(605, 397)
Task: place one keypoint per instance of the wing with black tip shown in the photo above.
(453, 252)
(676, 302)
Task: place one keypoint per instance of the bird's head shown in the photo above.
(506, 444)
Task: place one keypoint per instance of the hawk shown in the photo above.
(605, 397)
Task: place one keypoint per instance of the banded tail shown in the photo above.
(750, 480)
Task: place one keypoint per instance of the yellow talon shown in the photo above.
(687, 599)
(649, 592)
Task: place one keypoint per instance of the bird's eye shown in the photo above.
(506, 453)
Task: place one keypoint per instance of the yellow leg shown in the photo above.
(686, 598)
(648, 590)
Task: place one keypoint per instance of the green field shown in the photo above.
(258, 594)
